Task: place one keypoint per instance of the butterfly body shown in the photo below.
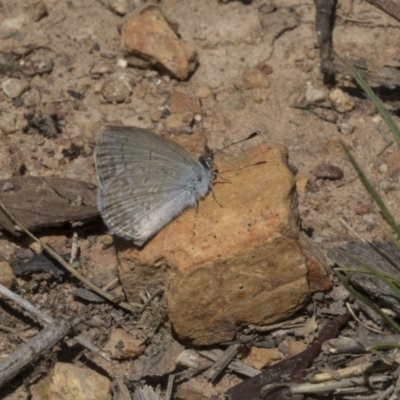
(146, 181)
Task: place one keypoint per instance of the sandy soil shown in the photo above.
(233, 38)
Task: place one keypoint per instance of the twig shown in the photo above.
(168, 393)
(30, 352)
(387, 6)
(235, 365)
(360, 322)
(222, 362)
(66, 265)
(48, 320)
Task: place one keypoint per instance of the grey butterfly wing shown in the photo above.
(119, 146)
(145, 181)
(142, 199)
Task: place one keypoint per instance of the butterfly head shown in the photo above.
(207, 158)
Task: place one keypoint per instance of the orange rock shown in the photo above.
(150, 39)
(259, 358)
(243, 262)
(121, 345)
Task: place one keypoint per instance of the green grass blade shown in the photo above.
(375, 99)
(374, 194)
(368, 302)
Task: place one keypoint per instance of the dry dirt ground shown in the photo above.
(232, 38)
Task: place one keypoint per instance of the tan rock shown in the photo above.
(121, 345)
(149, 39)
(259, 358)
(243, 262)
(341, 101)
(292, 347)
(69, 382)
(7, 277)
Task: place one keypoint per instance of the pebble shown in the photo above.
(251, 80)
(39, 11)
(102, 68)
(36, 64)
(314, 95)
(8, 122)
(341, 102)
(327, 171)
(345, 127)
(13, 87)
(120, 7)
(18, 102)
(69, 381)
(116, 90)
(32, 98)
(188, 358)
(383, 168)
(203, 92)
(8, 186)
(148, 39)
(369, 219)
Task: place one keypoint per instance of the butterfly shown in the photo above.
(146, 181)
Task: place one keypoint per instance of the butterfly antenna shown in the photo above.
(251, 136)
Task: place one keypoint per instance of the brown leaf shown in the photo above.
(46, 202)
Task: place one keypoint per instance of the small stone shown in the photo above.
(7, 278)
(8, 122)
(188, 358)
(156, 115)
(36, 64)
(203, 92)
(8, 186)
(102, 68)
(120, 7)
(314, 95)
(18, 102)
(369, 219)
(341, 102)
(149, 39)
(361, 209)
(383, 168)
(345, 127)
(32, 98)
(13, 87)
(39, 11)
(121, 345)
(251, 80)
(327, 171)
(66, 381)
(259, 358)
(179, 123)
(116, 90)
(107, 241)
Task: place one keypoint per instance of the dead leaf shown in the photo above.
(46, 202)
